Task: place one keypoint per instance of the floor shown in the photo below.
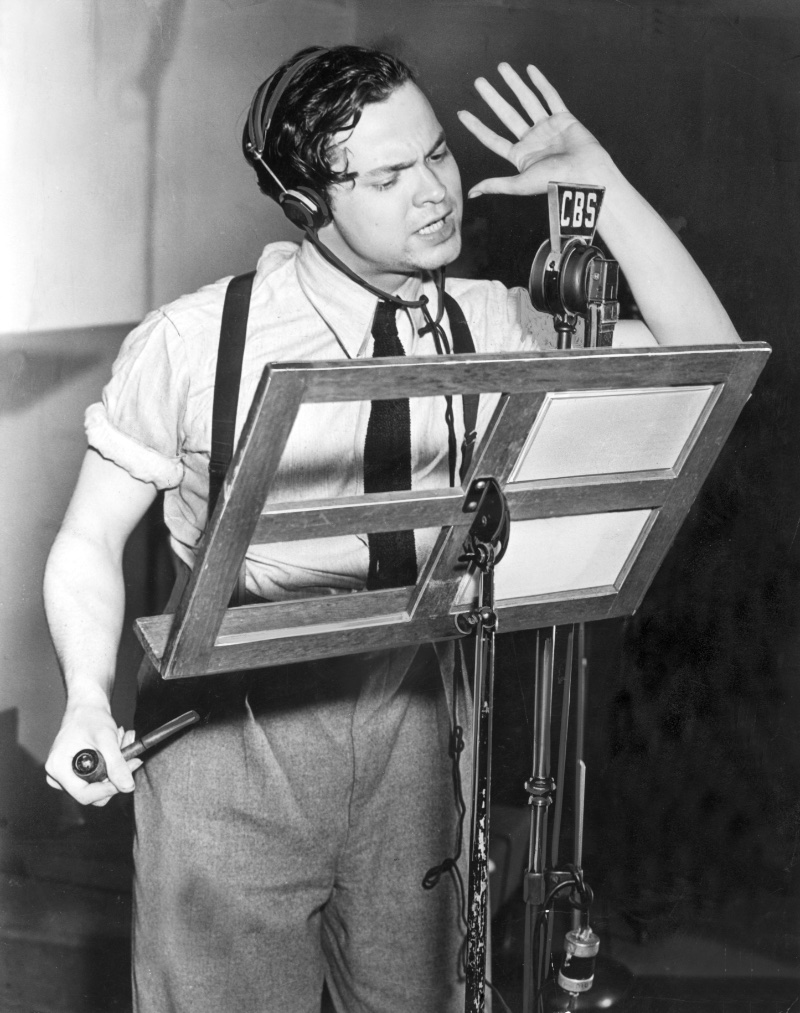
(677, 973)
(743, 959)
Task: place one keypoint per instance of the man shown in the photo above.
(285, 841)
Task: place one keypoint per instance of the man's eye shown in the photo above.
(439, 156)
(386, 183)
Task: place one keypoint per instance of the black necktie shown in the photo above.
(387, 465)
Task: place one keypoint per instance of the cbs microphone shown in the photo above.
(571, 278)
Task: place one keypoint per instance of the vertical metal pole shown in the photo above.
(478, 720)
(563, 738)
(540, 787)
(529, 888)
(562, 747)
(580, 766)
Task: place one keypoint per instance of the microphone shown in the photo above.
(569, 276)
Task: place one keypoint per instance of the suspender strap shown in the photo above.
(233, 332)
(462, 343)
(230, 354)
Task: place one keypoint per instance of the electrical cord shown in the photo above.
(432, 324)
(539, 979)
(450, 865)
(497, 994)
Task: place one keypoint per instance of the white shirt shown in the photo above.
(155, 417)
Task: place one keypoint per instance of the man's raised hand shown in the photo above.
(550, 143)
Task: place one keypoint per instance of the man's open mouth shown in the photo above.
(436, 226)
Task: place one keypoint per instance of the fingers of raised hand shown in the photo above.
(502, 109)
(494, 142)
(526, 98)
(546, 90)
(520, 185)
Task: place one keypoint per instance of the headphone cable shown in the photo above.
(415, 304)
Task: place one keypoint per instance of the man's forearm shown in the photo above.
(675, 299)
(84, 599)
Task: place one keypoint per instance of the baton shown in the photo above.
(89, 765)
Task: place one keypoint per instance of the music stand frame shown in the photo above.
(204, 636)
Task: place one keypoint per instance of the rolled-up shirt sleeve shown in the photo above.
(138, 424)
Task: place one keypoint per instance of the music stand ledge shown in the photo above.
(600, 454)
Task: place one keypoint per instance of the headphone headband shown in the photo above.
(260, 119)
(303, 206)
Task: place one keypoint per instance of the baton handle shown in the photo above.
(90, 766)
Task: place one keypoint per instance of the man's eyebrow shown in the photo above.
(397, 167)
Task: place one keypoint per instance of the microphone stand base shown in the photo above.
(612, 982)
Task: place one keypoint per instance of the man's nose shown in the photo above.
(430, 189)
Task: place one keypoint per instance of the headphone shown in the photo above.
(307, 208)
(303, 206)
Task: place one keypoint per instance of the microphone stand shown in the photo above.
(584, 982)
(568, 278)
(574, 990)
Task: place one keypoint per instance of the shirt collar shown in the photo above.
(346, 307)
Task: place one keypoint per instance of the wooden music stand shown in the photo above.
(600, 453)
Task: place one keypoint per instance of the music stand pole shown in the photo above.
(485, 546)
(478, 916)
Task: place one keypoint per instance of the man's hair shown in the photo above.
(324, 99)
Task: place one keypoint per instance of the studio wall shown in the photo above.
(120, 127)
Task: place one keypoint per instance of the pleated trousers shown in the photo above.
(283, 841)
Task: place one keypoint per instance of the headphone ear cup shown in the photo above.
(305, 208)
(323, 214)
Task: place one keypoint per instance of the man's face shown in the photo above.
(402, 212)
